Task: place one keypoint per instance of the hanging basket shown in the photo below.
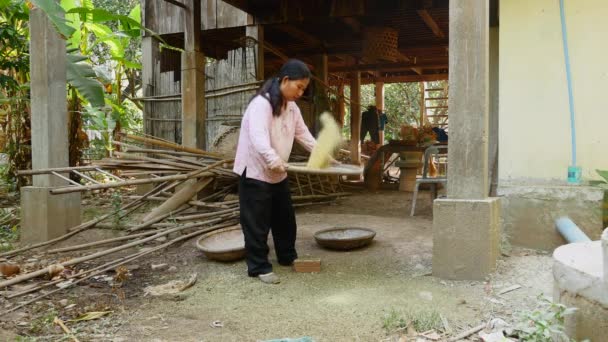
(380, 44)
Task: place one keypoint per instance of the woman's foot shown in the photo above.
(269, 278)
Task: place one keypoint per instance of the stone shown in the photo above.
(158, 267)
(465, 238)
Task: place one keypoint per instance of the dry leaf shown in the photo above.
(90, 316)
(190, 283)
(54, 270)
(8, 270)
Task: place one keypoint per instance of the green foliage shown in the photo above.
(401, 105)
(116, 207)
(603, 174)
(80, 75)
(56, 15)
(545, 323)
(14, 90)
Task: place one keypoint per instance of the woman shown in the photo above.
(270, 124)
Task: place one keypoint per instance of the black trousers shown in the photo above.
(266, 207)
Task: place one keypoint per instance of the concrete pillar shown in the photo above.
(257, 32)
(194, 113)
(493, 120)
(48, 99)
(45, 216)
(469, 99)
(355, 117)
(466, 226)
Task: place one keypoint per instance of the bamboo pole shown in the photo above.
(86, 225)
(100, 242)
(115, 263)
(154, 141)
(65, 190)
(178, 199)
(75, 261)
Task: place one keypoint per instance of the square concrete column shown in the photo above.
(45, 216)
(466, 225)
(194, 113)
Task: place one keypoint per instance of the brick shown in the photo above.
(307, 265)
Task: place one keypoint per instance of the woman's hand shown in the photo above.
(281, 167)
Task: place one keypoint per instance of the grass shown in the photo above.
(9, 229)
(423, 320)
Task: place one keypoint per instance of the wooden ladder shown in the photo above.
(435, 105)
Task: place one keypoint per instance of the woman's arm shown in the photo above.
(260, 113)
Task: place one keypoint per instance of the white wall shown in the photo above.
(534, 114)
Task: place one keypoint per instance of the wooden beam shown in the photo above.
(390, 66)
(431, 23)
(177, 3)
(300, 34)
(276, 51)
(353, 23)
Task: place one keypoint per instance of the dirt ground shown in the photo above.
(354, 298)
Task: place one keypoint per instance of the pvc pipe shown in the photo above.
(569, 81)
(570, 231)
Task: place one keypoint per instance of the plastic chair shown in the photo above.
(429, 154)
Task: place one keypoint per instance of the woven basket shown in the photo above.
(380, 44)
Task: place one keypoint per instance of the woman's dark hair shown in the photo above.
(293, 69)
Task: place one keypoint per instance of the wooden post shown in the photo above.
(355, 117)
(257, 32)
(150, 59)
(321, 101)
(380, 95)
(380, 106)
(194, 112)
(341, 110)
(423, 118)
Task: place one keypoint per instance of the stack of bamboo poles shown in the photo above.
(196, 191)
